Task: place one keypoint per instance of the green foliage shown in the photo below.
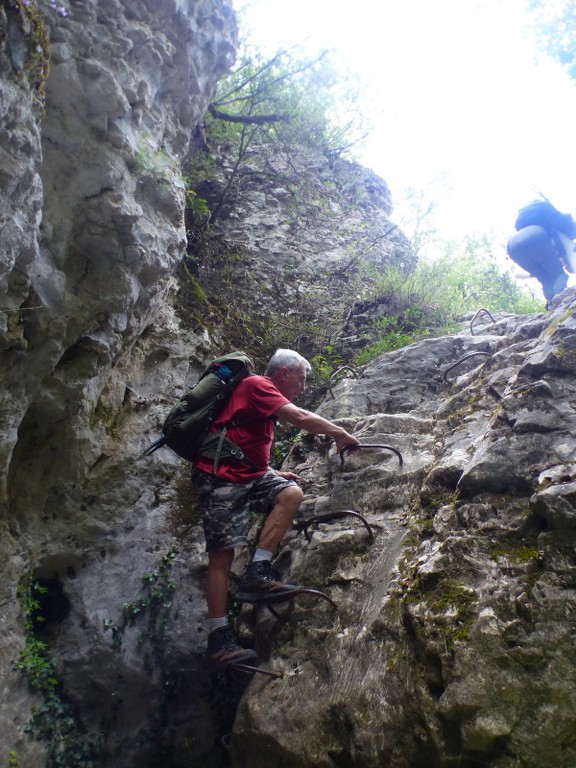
(54, 721)
(391, 339)
(153, 604)
(415, 308)
(288, 98)
(150, 612)
(261, 116)
(201, 171)
(464, 274)
(198, 208)
(34, 661)
(471, 278)
(37, 65)
(153, 162)
(431, 300)
(325, 363)
(264, 108)
(285, 439)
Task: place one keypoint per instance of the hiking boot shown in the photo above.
(260, 585)
(223, 649)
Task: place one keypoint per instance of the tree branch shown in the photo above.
(246, 119)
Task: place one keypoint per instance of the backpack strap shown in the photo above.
(237, 452)
(219, 449)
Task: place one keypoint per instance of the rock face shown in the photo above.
(98, 101)
(112, 219)
(91, 214)
(453, 643)
(297, 243)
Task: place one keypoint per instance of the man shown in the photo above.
(543, 245)
(225, 498)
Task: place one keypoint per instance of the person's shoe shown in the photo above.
(260, 584)
(223, 649)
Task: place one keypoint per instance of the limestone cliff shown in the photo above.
(91, 214)
(451, 641)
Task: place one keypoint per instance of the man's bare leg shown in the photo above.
(286, 504)
(259, 583)
(217, 576)
(223, 648)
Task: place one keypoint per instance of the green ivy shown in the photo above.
(152, 607)
(151, 612)
(54, 722)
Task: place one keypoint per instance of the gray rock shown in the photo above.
(453, 638)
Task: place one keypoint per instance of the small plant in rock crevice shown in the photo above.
(155, 602)
(152, 162)
(37, 66)
(325, 363)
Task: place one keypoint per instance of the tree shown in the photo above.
(270, 104)
(276, 130)
(555, 27)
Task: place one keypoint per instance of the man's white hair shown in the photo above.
(286, 358)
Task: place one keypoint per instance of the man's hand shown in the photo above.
(346, 440)
(288, 475)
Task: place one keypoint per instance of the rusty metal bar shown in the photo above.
(462, 359)
(302, 525)
(343, 368)
(252, 670)
(479, 312)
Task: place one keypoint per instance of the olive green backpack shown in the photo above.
(186, 429)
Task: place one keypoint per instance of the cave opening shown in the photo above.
(52, 605)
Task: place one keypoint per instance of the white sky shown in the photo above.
(453, 88)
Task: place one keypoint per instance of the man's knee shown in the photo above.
(293, 495)
(532, 249)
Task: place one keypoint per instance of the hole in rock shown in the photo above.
(53, 605)
(536, 522)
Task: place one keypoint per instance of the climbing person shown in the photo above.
(543, 245)
(226, 495)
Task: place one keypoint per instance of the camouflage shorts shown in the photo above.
(225, 506)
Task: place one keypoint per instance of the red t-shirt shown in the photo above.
(254, 401)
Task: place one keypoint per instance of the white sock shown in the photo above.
(262, 554)
(221, 621)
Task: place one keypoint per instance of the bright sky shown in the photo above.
(453, 89)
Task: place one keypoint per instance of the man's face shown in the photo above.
(291, 383)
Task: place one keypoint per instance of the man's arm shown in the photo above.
(317, 425)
